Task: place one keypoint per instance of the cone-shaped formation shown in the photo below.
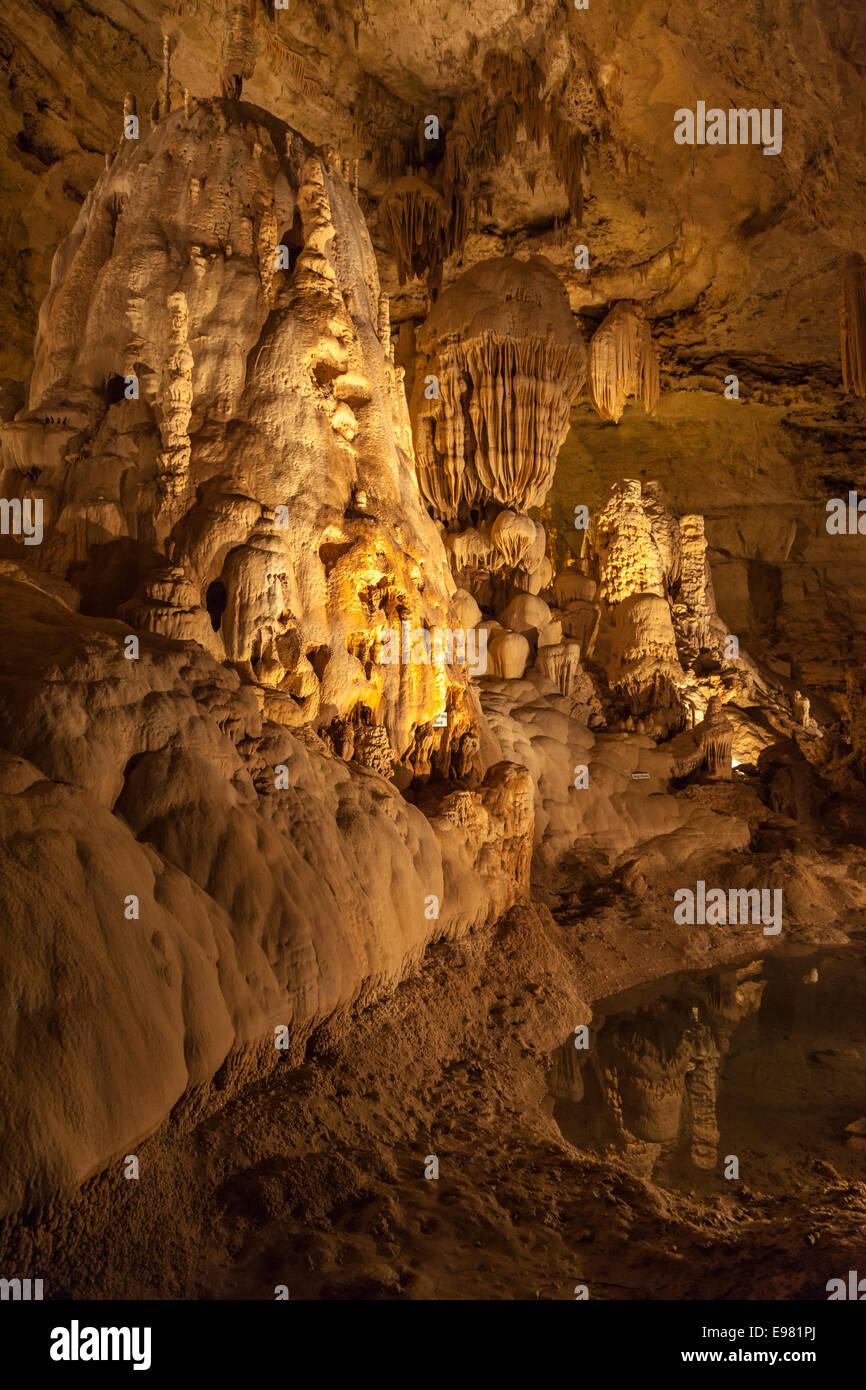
(508, 360)
(241, 385)
(644, 666)
(852, 316)
(622, 363)
(415, 219)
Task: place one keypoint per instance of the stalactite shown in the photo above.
(517, 81)
(566, 148)
(463, 155)
(509, 360)
(507, 119)
(284, 57)
(516, 77)
(561, 664)
(415, 219)
(622, 362)
(852, 318)
(237, 50)
(394, 163)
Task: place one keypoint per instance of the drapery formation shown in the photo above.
(507, 360)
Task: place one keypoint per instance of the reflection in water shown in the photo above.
(670, 1061)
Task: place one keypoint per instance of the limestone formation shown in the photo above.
(716, 737)
(274, 565)
(518, 539)
(415, 218)
(560, 661)
(509, 360)
(622, 363)
(644, 665)
(507, 655)
(399, 765)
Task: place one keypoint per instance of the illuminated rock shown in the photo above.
(509, 360)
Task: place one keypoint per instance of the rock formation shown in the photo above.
(401, 768)
(622, 363)
(415, 218)
(507, 361)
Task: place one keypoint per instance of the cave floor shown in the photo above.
(312, 1175)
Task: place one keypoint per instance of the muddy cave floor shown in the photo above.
(310, 1173)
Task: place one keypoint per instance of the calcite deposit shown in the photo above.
(506, 359)
(432, 651)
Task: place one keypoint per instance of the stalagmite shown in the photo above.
(560, 662)
(852, 316)
(509, 360)
(514, 535)
(716, 735)
(695, 591)
(414, 217)
(165, 92)
(527, 614)
(384, 324)
(507, 655)
(465, 610)
(644, 665)
(625, 555)
(373, 750)
(622, 362)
